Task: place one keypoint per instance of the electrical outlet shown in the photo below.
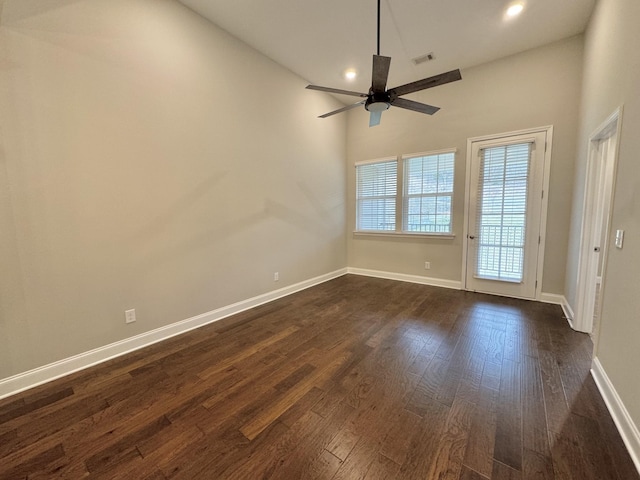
(276, 276)
(130, 316)
(427, 265)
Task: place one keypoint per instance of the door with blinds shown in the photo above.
(504, 215)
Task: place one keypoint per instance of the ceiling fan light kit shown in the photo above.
(380, 99)
(378, 102)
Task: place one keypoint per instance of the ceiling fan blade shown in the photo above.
(380, 73)
(448, 77)
(343, 109)
(336, 90)
(415, 106)
(374, 118)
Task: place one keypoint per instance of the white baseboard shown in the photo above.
(627, 428)
(435, 282)
(568, 313)
(23, 381)
(552, 298)
(559, 300)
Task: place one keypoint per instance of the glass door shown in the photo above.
(504, 215)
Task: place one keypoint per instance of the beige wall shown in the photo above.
(537, 88)
(150, 161)
(612, 78)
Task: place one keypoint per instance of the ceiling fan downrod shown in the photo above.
(378, 28)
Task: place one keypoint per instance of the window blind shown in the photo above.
(376, 196)
(502, 212)
(428, 190)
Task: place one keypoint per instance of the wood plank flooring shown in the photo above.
(357, 378)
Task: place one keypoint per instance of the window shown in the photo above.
(502, 212)
(428, 191)
(377, 185)
(420, 203)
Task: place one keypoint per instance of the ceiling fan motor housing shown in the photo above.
(378, 102)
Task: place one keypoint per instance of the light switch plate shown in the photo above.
(619, 238)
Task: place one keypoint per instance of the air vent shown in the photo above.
(424, 58)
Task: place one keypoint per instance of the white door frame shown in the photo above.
(585, 299)
(548, 130)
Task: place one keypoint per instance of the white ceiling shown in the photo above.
(319, 39)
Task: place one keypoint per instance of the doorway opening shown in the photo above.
(596, 220)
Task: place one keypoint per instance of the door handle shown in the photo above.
(471, 237)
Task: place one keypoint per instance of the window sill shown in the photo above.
(365, 233)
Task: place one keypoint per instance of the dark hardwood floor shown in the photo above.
(357, 378)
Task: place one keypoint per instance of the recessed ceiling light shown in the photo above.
(515, 10)
(350, 74)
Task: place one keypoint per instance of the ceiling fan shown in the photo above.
(380, 99)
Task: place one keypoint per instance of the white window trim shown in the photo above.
(398, 232)
(377, 160)
(426, 154)
(401, 234)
